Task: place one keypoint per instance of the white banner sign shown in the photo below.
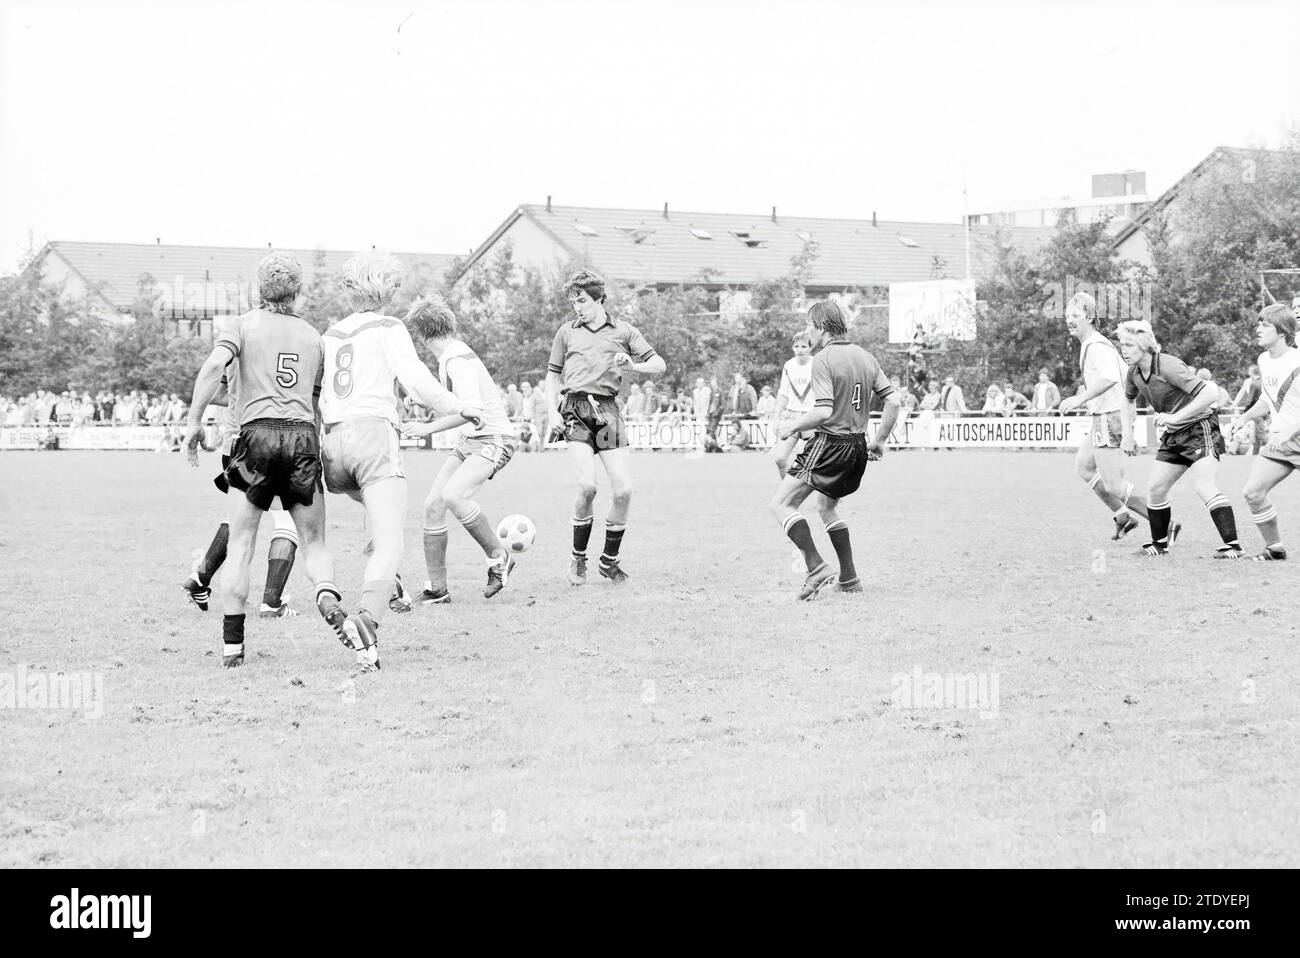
(936, 307)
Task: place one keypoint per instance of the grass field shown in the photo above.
(1146, 711)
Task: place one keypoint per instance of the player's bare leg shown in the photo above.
(781, 453)
(244, 520)
(838, 530)
(458, 493)
(318, 563)
(583, 458)
(1164, 531)
(1204, 474)
(618, 466)
(1110, 468)
(785, 507)
(1265, 474)
(1087, 465)
(435, 536)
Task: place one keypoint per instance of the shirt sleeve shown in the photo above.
(232, 337)
(413, 374)
(637, 347)
(1130, 388)
(882, 387)
(463, 381)
(320, 365)
(558, 349)
(823, 389)
(1180, 374)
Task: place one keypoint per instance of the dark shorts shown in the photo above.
(1191, 443)
(220, 481)
(833, 465)
(593, 421)
(276, 457)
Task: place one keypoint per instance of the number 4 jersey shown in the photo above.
(278, 360)
(845, 377)
(367, 356)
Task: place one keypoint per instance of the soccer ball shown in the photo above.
(517, 533)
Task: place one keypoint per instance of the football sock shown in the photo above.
(1224, 520)
(1266, 522)
(374, 598)
(839, 533)
(478, 526)
(613, 540)
(215, 555)
(435, 555)
(796, 527)
(328, 597)
(581, 534)
(1159, 514)
(279, 563)
(232, 629)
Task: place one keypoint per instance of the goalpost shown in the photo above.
(1280, 286)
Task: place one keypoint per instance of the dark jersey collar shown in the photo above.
(1155, 368)
(609, 321)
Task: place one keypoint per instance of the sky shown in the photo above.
(420, 126)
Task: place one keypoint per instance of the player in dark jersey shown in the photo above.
(277, 454)
(588, 359)
(1190, 440)
(845, 379)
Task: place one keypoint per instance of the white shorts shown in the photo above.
(358, 452)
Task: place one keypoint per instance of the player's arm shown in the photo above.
(464, 387)
(415, 376)
(555, 369)
(1098, 389)
(1260, 408)
(641, 356)
(205, 387)
(883, 390)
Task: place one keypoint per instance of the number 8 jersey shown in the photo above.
(278, 360)
(367, 355)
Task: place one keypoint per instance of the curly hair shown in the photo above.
(431, 317)
(369, 280)
(588, 282)
(1087, 303)
(279, 280)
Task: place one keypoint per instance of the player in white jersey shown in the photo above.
(1099, 461)
(284, 540)
(794, 398)
(367, 355)
(482, 451)
(1279, 367)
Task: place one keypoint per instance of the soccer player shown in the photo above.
(1190, 440)
(367, 354)
(284, 539)
(1279, 367)
(588, 360)
(793, 397)
(845, 378)
(1099, 462)
(278, 359)
(480, 453)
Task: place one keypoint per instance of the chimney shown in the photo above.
(665, 211)
(268, 245)
(158, 240)
(873, 217)
(774, 214)
(548, 202)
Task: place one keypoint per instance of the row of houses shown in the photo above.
(723, 252)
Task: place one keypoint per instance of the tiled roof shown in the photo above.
(644, 246)
(1220, 154)
(115, 268)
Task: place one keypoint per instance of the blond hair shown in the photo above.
(431, 317)
(370, 280)
(1139, 333)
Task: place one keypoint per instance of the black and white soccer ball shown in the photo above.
(516, 533)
